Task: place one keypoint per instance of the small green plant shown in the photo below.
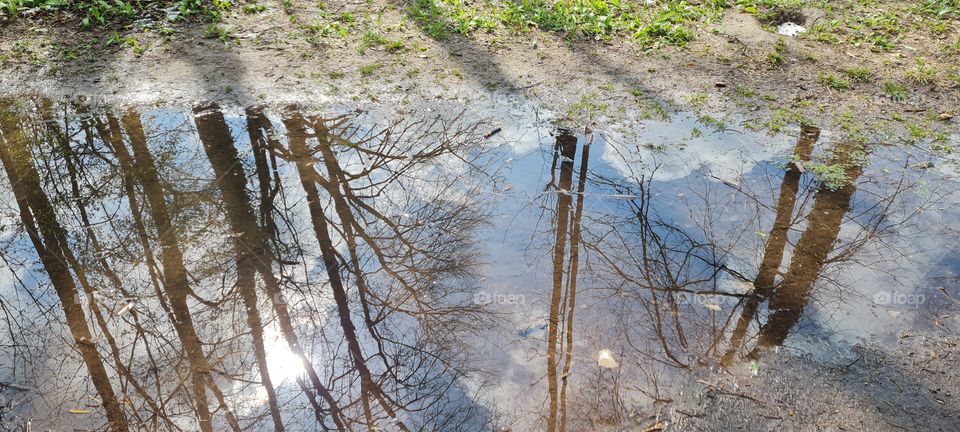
(129, 41)
(214, 31)
(777, 57)
(859, 74)
(831, 176)
(712, 122)
(941, 9)
(369, 69)
(697, 100)
(922, 73)
(773, 12)
(744, 92)
(430, 17)
(370, 39)
(588, 106)
(831, 81)
(253, 8)
(895, 91)
(782, 118)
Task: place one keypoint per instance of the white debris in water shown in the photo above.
(790, 29)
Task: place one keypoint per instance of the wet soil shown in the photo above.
(724, 73)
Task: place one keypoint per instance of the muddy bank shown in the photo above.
(735, 72)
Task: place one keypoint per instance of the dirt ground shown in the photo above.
(724, 73)
(912, 387)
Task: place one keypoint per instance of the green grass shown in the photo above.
(253, 8)
(859, 74)
(104, 12)
(895, 91)
(369, 69)
(372, 39)
(941, 9)
(922, 73)
(833, 82)
(778, 56)
(831, 176)
(772, 11)
(670, 22)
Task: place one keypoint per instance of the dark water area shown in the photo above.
(278, 269)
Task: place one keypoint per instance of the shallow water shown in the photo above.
(344, 271)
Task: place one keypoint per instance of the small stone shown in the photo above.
(719, 84)
(946, 115)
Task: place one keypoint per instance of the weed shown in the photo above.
(712, 122)
(327, 25)
(917, 132)
(831, 81)
(214, 31)
(782, 118)
(253, 8)
(777, 56)
(370, 39)
(859, 74)
(896, 91)
(588, 106)
(129, 41)
(941, 9)
(669, 23)
(831, 176)
(369, 69)
(744, 92)
(922, 73)
(773, 12)
(428, 15)
(697, 100)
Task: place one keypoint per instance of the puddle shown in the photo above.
(349, 272)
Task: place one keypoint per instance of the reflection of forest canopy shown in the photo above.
(183, 276)
(353, 249)
(656, 264)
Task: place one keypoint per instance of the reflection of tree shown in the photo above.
(49, 239)
(810, 254)
(394, 230)
(774, 249)
(656, 263)
(216, 139)
(564, 289)
(174, 280)
(400, 266)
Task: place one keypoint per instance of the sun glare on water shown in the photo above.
(283, 364)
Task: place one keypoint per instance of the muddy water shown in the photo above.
(250, 269)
